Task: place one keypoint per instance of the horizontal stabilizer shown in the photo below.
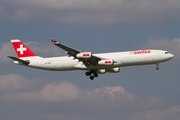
(19, 60)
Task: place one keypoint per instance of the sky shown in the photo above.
(97, 26)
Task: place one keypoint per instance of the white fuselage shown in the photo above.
(120, 59)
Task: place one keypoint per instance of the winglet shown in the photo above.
(54, 41)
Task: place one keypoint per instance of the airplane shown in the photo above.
(93, 64)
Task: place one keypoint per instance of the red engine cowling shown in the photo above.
(84, 55)
(106, 62)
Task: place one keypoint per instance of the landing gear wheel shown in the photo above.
(91, 71)
(88, 73)
(91, 77)
(95, 75)
(157, 68)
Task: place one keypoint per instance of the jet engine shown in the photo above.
(84, 55)
(106, 62)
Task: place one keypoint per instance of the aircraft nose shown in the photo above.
(171, 56)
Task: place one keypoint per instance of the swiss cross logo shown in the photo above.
(21, 49)
(86, 54)
(107, 61)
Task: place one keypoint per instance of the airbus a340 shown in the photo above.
(93, 64)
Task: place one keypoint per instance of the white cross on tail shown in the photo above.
(21, 49)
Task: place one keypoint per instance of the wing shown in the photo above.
(84, 56)
(69, 51)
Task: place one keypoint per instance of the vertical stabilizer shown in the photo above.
(21, 49)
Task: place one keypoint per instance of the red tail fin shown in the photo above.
(21, 49)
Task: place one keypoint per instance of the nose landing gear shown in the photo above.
(157, 66)
(90, 72)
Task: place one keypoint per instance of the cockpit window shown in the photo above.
(166, 52)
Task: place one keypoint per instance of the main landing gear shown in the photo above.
(90, 72)
(157, 66)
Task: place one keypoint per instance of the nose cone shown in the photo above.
(171, 56)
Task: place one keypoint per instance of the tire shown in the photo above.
(88, 73)
(91, 77)
(95, 75)
(157, 68)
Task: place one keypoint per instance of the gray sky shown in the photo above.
(136, 93)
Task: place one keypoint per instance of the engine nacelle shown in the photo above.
(113, 70)
(102, 71)
(106, 62)
(84, 55)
